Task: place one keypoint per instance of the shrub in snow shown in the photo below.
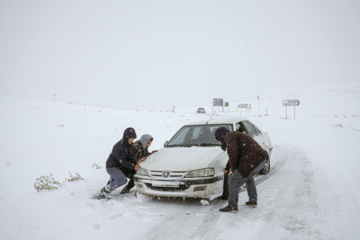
(49, 183)
(46, 183)
(72, 178)
(96, 166)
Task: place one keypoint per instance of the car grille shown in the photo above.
(171, 174)
(168, 189)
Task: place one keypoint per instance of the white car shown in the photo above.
(191, 164)
(201, 110)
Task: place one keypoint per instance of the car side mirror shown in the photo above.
(166, 143)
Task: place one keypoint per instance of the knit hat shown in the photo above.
(220, 136)
(128, 133)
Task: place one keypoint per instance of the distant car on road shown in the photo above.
(191, 164)
(201, 110)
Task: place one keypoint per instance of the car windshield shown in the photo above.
(199, 135)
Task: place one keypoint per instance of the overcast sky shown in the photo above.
(159, 54)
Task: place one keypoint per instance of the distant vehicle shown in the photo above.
(191, 164)
(201, 110)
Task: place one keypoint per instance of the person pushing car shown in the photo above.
(246, 158)
(140, 153)
(119, 163)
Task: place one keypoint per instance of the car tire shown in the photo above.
(266, 168)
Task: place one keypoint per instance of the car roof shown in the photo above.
(231, 120)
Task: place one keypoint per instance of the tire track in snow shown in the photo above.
(206, 230)
(195, 224)
(279, 164)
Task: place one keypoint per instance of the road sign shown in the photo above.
(218, 102)
(242, 105)
(290, 102)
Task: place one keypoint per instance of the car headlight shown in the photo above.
(143, 172)
(205, 172)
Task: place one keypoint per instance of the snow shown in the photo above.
(310, 193)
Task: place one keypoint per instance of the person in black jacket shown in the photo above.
(119, 163)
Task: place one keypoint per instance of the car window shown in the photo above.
(180, 136)
(199, 135)
(195, 133)
(239, 127)
(251, 130)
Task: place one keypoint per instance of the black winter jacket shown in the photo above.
(245, 154)
(122, 152)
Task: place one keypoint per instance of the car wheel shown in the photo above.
(266, 168)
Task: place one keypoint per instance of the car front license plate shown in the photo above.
(164, 184)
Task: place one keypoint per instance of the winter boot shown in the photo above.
(126, 189)
(251, 203)
(228, 209)
(103, 194)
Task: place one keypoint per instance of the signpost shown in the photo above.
(290, 102)
(227, 105)
(243, 105)
(218, 102)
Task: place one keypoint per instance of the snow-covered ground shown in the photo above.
(312, 191)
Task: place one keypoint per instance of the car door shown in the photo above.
(251, 130)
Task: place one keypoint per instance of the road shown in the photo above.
(189, 219)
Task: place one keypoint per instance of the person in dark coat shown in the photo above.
(246, 158)
(119, 163)
(140, 153)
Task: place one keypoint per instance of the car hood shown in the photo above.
(182, 158)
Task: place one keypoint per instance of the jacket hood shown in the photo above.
(128, 133)
(145, 139)
(220, 134)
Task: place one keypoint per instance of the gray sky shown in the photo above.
(159, 54)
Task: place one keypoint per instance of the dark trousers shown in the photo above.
(236, 181)
(118, 178)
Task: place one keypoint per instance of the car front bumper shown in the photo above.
(204, 187)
